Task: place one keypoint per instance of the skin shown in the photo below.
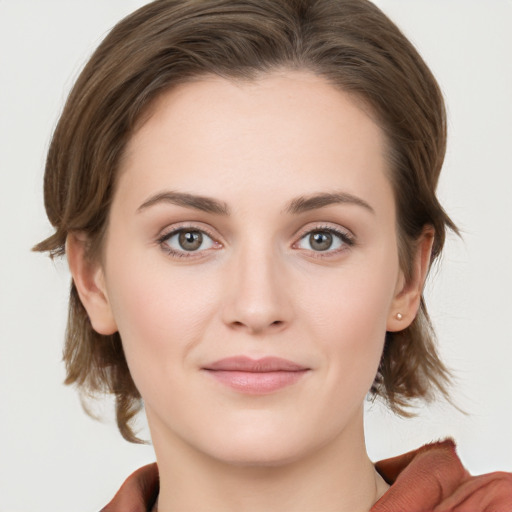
(256, 287)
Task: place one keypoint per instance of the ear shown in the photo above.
(406, 301)
(90, 283)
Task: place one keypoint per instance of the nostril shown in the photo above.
(237, 324)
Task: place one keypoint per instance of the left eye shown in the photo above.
(188, 240)
(322, 240)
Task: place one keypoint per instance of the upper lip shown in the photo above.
(263, 365)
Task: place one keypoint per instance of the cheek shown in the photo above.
(161, 315)
(352, 305)
(348, 319)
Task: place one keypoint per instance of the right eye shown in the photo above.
(186, 240)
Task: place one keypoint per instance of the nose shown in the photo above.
(257, 300)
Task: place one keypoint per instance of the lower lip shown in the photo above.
(257, 383)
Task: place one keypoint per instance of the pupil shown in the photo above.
(190, 240)
(320, 241)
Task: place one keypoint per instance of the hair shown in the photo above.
(350, 43)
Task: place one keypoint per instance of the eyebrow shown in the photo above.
(296, 206)
(204, 204)
(321, 200)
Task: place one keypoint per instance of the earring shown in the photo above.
(399, 316)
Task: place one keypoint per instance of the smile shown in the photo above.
(256, 377)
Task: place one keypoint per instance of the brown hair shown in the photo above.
(349, 42)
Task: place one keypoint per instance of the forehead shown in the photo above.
(289, 130)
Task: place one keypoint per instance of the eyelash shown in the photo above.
(346, 238)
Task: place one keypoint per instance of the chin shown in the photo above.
(258, 445)
(258, 456)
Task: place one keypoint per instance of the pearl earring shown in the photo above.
(399, 316)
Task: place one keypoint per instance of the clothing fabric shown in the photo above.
(429, 479)
(433, 479)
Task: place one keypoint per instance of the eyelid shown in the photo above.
(324, 226)
(191, 225)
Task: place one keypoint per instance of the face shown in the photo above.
(251, 265)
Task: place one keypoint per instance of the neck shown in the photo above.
(335, 477)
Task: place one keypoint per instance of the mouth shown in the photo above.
(256, 376)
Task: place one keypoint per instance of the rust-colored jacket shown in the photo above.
(430, 479)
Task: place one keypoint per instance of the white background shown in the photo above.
(55, 458)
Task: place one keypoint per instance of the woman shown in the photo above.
(245, 192)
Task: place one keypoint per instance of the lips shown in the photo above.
(256, 376)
